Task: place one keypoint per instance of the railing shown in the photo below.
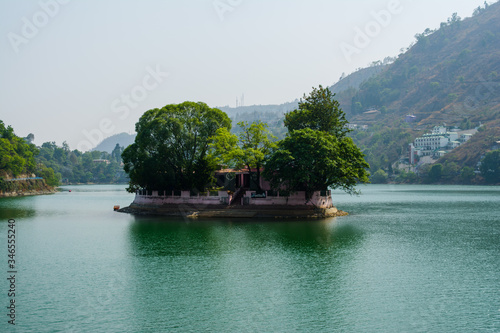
(29, 178)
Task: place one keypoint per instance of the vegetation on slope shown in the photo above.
(56, 165)
(447, 75)
(470, 152)
(16, 155)
(17, 158)
(75, 167)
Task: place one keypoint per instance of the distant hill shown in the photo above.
(349, 82)
(271, 108)
(108, 144)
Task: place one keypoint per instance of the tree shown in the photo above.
(308, 160)
(450, 171)
(249, 149)
(116, 154)
(379, 177)
(454, 19)
(467, 175)
(490, 167)
(16, 155)
(316, 154)
(318, 111)
(435, 173)
(48, 174)
(171, 149)
(407, 177)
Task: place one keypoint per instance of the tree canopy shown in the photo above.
(319, 111)
(16, 155)
(316, 154)
(308, 160)
(248, 149)
(73, 166)
(171, 149)
(490, 167)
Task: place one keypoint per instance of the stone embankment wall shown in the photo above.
(223, 198)
(24, 187)
(295, 199)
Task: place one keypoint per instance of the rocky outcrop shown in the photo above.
(25, 187)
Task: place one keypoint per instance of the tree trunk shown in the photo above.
(258, 179)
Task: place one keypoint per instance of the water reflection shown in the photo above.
(16, 208)
(170, 237)
(241, 275)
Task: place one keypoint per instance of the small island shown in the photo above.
(185, 161)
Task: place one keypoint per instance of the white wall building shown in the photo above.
(431, 141)
(465, 137)
(453, 136)
(439, 130)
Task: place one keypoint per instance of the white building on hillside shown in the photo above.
(439, 130)
(465, 137)
(431, 141)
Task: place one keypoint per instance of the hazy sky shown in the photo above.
(81, 70)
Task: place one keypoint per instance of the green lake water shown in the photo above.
(406, 259)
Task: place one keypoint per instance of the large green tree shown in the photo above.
(248, 149)
(319, 111)
(308, 160)
(435, 173)
(316, 154)
(171, 150)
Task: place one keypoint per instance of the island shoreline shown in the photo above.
(221, 211)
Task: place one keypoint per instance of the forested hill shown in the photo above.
(447, 75)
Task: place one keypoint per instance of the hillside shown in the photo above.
(354, 80)
(471, 152)
(446, 76)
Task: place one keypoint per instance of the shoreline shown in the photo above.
(27, 187)
(222, 211)
(26, 193)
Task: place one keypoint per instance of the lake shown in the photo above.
(406, 259)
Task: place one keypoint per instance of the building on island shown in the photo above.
(236, 188)
(237, 196)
